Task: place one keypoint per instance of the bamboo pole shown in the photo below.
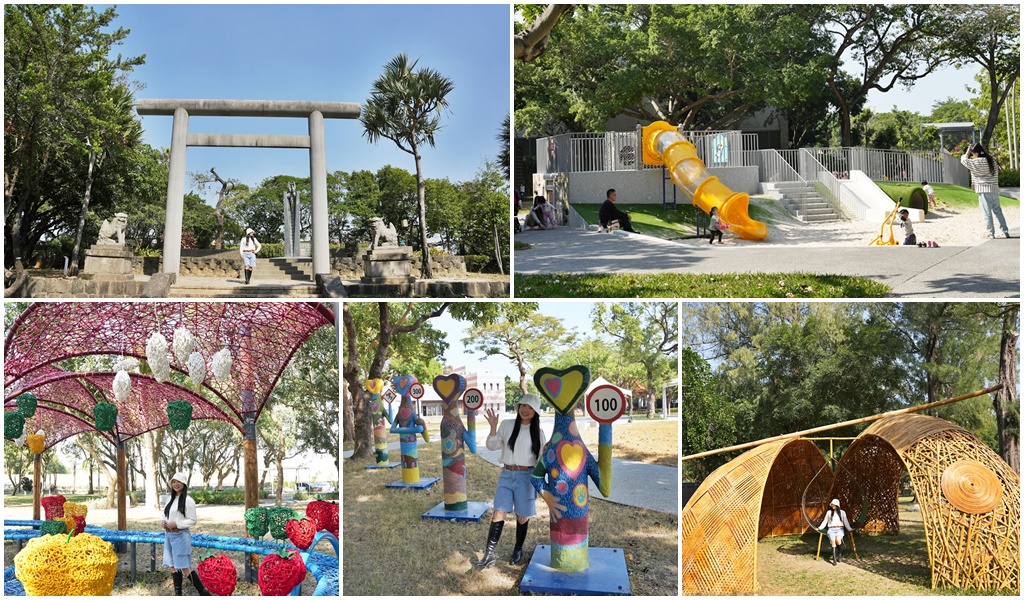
(902, 411)
(37, 485)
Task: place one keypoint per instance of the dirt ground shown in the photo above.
(213, 520)
(653, 442)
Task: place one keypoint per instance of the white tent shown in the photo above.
(602, 381)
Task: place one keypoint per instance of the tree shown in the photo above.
(405, 106)
(531, 41)
(278, 431)
(57, 62)
(520, 334)
(262, 208)
(504, 138)
(889, 44)
(986, 35)
(229, 192)
(647, 334)
(216, 443)
(485, 214)
(709, 422)
(310, 387)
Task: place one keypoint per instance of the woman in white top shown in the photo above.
(179, 516)
(985, 181)
(515, 492)
(835, 520)
(248, 249)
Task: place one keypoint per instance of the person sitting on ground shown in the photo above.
(908, 228)
(547, 213)
(535, 218)
(715, 227)
(609, 213)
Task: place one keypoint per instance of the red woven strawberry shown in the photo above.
(218, 573)
(301, 532)
(79, 524)
(332, 519)
(318, 511)
(280, 572)
(54, 506)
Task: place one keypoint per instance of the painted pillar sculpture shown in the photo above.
(379, 416)
(454, 440)
(408, 424)
(561, 473)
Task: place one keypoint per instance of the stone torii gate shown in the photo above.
(315, 112)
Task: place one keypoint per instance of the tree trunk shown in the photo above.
(421, 198)
(86, 197)
(1005, 400)
(362, 430)
(152, 441)
(92, 490)
(650, 394)
(497, 251)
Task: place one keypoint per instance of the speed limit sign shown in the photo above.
(473, 399)
(416, 391)
(606, 403)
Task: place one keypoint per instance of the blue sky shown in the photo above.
(321, 53)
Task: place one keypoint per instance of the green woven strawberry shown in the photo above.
(279, 517)
(179, 414)
(14, 425)
(53, 528)
(106, 416)
(26, 404)
(257, 521)
(218, 573)
(301, 532)
(280, 572)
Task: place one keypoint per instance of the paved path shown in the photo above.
(655, 487)
(988, 269)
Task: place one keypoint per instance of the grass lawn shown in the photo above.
(953, 195)
(887, 564)
(688, 285)
(383, 531)
(522, 246)
(26, 499)
(654, 442)
(651, 219)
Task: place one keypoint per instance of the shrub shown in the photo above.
(271, 250)
(300, 496)
(479, 263)
(1009, 178)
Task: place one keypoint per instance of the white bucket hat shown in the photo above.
(835, 502)
(181, 476)
(249, 230)
(531, 400)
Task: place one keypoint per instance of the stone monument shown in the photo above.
(386, 261)
(108, 259)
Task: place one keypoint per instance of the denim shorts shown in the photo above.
(178, 549)
(836, 533)
(249, 258)
(515, 493)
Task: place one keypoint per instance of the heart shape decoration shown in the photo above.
(449, 387)
(301, 532)
(374, 386)
(403, 383)
(572, 456)
(562, 387)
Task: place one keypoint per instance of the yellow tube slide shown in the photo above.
(663, 145)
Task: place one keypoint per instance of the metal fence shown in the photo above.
(776, 165)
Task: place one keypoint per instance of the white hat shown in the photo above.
(181, 476)
(531, 400)
(249, 230)
(835, 502)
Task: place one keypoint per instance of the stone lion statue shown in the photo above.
(383, 235)
(109, 229)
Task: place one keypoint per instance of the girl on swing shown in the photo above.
(179, 516)
(838, 525)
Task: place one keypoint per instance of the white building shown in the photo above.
(492, 386)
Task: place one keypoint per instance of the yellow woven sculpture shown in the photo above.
(73, 509)
(69, 522)
(35, 442)
(51, 565)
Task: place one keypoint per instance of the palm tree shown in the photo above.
(405, 106)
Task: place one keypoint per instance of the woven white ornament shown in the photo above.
(184, 344)
(222, 365)
(129, 363)
(122, 385)
(22, 438)
(156, 353)
(196, 368)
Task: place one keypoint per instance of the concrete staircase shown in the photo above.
(284, 269)
(805, 203)
(195, 287)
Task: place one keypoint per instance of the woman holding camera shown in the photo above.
(985, 181)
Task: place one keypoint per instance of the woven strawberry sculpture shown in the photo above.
(106, 416)
(53, 505)
(301, 532)
(319, 512)
(218, 573)
(280, 572)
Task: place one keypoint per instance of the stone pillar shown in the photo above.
(318, 194)
(287, 225)
(175, 192)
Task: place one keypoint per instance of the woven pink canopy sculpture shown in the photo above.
(261, 337)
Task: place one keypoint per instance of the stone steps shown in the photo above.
(230, 289)
(805, 203)
(277, 269)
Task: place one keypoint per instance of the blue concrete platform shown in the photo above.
(389, 466)
(607, 575)
(473, 513)
(422, 484)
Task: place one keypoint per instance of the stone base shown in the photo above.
(388, 265)
(107, 262)
(473, 513)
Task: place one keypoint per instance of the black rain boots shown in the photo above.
(176, 578)
(493, 535)
(248, 275)
(839, 553)
(198, 584)
(517, 552)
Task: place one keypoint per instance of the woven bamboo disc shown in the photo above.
(971, 487)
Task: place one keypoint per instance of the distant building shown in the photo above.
(492, 386)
